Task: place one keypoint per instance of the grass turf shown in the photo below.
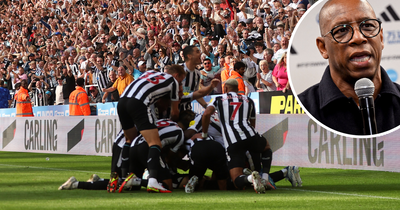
(30, 181)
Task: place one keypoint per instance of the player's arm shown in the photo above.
(206, 119)
(205, 90)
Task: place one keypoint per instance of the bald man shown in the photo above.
(352, 41)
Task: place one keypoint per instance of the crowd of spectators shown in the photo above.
(53, 43)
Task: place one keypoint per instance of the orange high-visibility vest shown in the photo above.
(239, 79)
(79, 102)
(225, 74)
(24, 105)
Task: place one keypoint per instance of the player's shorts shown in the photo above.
(138, 156)
(132, 112)
(208, 154)
(237, 151)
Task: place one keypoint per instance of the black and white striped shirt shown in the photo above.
(234, 112)
(170, 133)
(163, 62)
(39, 97)
(171, 30)
(120, 139)
(75, 69)
(102, 78)
(191, 81)
(151, 86)
(214, 129)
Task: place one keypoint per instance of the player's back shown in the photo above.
(235, 112)
(151, 86)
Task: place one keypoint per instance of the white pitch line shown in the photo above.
(347, 194)
(55, 169)
(313, 191)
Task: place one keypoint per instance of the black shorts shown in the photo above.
(237, 151)
(208, 154)
(138, 156)
(132, 112)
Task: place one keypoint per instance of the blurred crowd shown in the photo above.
(51, 44)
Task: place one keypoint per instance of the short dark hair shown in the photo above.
(239, 65)
(207, 59)
(188, 50)
(185, 117)
(80, 82)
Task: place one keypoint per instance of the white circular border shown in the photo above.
(306, 18)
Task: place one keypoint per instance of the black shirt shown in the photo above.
(69, 85)
(326, 103)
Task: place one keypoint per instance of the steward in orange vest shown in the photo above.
(237, 74)
(79, 100)
(24, 105)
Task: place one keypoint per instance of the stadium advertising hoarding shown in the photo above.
(81, 135)
(295, 140)
(272, 102)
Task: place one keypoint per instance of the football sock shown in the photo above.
(241, 181)
(277, 176)
(266, 159)
(284, 171)
(99, 185)
(125, 160)
(144, 182)
(256, 157)
(153, 160)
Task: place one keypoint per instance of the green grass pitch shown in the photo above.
(30, 181)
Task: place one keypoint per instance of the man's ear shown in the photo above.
(321, 47)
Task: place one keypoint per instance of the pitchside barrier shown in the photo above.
(294, 138)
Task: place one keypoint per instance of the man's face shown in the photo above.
(221, 49)
(245, 34)
(361, 56)
(136, 53)
(241, 71)
(284, 43)
(196, 56)
(276, 47)
(112, 76)
(207, 65)
(259, 49)
(99, 61)
(285, 2)
(121, 72)
(32, 65)
(267, 56)
(94, 92)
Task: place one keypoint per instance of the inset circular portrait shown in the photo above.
(344, 63)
